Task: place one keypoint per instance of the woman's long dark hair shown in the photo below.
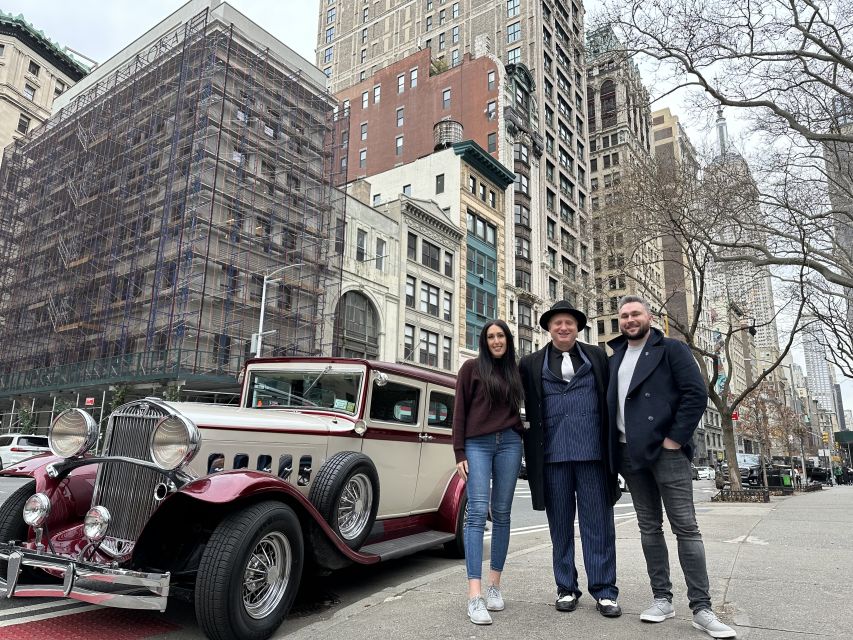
(500, 375)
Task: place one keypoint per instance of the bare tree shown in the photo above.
(786, 67)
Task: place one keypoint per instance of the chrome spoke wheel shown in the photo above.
(354, 506)
(267, 574)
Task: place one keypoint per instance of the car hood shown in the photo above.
(214, 417)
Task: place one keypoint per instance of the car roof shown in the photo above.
(396, 368)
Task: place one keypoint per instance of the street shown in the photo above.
(321, 598)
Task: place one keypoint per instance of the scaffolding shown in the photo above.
(139, 222)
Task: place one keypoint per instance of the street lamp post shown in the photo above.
(267, 279)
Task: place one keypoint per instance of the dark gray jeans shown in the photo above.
(669, 483)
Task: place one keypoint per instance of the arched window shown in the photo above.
(590, 110)
(608, 104)
(356, 327)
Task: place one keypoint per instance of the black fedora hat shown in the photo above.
(562, 306)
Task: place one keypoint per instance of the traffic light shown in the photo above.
(825, 437)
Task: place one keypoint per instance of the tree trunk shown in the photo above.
(731, 449)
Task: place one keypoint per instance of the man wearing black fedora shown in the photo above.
(568, 450)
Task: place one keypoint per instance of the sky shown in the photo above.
(97, 29)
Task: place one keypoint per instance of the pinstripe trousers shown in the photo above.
(581, 487)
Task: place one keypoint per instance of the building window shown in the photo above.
(492, 142)
(492, 199)
(441, 42)
(33, 69)
(413, 78)
(412, 247)
(23, 124)
(439, 183)
(447, 354)
(365, 15)
(363, 55)
(513, 56)
(513, 32)
(360, 245)
(409, 343)
(407, 190)
(552, 288)
(429, 299)
(362, 158)
(429, 348)
(472, 184)
(448, 264)
(400, 117)
(481, 229)
(525, 315)
(482, 192)
(490, 81)
(522, 184)
(401, 83)
(521, 215)
(327, 55)
(377, 94)
(491, 110)
(454, 58)
(410, 292)
(381, 247)
(454, 35)
(29, 92)
(398, 146)
(522, 249)
(445, 99)
(377, 199)
(365, 99)
(2, 50)
(364, 36)
(513, 8)
(428, 24)
(447, 306)
(430, 255)
(364, 131)
(330, 35)
(454, 10)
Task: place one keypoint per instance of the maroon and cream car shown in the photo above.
(327, 462)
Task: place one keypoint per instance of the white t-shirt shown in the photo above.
(626, 372)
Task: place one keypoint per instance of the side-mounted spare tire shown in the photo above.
(346, 493)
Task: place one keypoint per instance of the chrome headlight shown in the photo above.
(96, 523)
(36, 509)
(72, 433)
(174, 442)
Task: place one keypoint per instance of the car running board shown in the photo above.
(409, 544)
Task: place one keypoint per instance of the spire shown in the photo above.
(722, 131)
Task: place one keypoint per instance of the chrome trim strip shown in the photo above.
(73, 572)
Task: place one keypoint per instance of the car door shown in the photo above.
(393, 441)
(437, 462)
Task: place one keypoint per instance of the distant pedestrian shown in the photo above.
(656, 398)
(798, 479)
(568, 452)
(487, 443)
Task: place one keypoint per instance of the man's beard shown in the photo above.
(642, 332)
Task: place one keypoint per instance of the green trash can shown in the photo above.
(786, 481)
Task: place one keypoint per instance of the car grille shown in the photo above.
(127, 490)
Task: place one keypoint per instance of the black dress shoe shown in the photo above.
(608, 608)
(566, 602)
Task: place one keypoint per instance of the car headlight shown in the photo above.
(96, 523)
(174, 442)
(36, 509)
(72, 433)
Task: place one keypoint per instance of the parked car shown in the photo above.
(15, 447)
(705, 473)
(325, 463)
(694, 471)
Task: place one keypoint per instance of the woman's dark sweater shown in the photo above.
(473, 413)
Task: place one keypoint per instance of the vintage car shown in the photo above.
(326, 462)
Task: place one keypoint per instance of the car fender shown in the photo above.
(449, 509)
(210, 497)
(70, 496)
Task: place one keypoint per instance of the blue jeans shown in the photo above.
(669, 483)
(493, 464)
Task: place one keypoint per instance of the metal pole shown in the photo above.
(261, 319)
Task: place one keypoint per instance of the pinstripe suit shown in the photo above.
(567, 449)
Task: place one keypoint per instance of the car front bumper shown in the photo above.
(103, 586)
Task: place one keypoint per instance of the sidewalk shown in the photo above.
(778, 571)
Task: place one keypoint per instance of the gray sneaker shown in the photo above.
(494, 599)
(660, 610)
(477, 611)
(707, 621)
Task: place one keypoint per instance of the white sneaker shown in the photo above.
(494, 599)
(707, 621)
(660, 610)
(477, 611)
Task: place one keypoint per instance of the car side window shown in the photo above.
(395, 402)
(440, 413)
(5, 441)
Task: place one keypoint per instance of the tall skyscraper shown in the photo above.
(540, 111)
(820, 379)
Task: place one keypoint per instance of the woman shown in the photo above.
(487, 444)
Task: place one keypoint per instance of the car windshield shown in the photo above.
(327, 389)
(32, 441)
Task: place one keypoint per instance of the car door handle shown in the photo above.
(425, 437)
